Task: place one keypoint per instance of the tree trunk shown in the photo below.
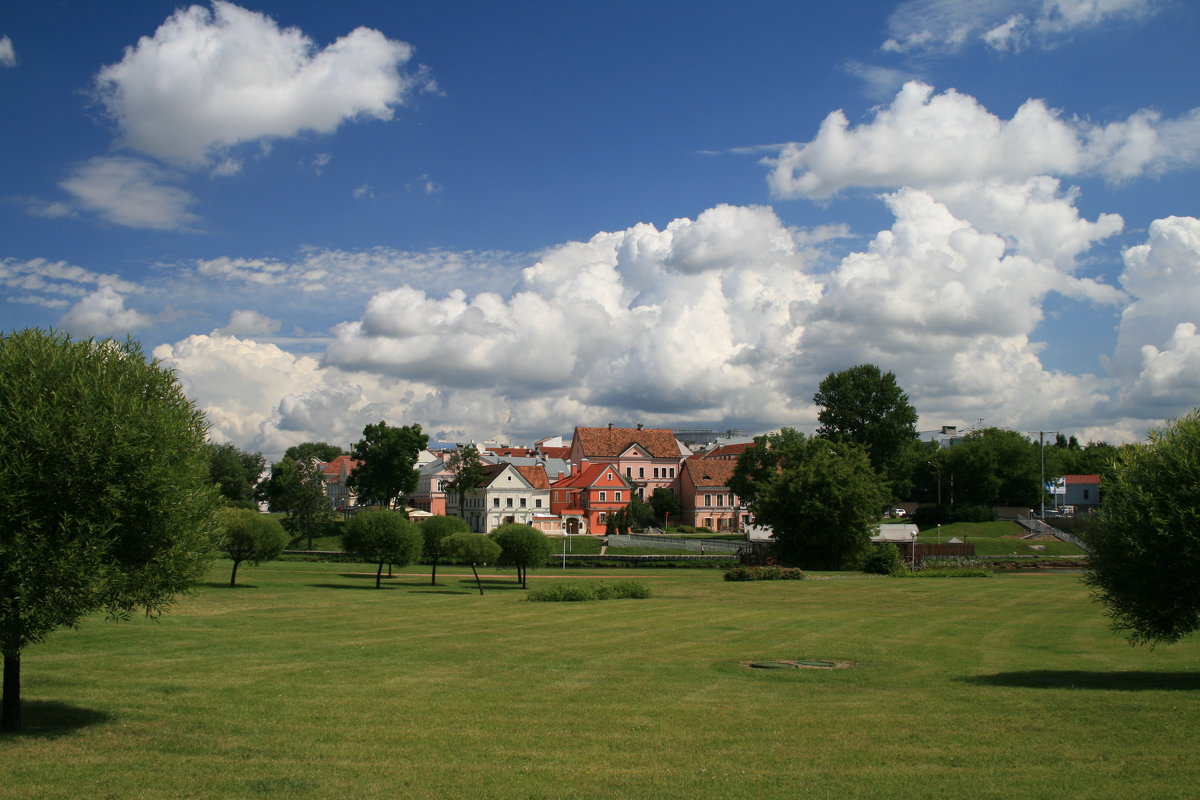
(11, 715)
(478, 582)
(379, 575)
(433, 580)
(233, 575)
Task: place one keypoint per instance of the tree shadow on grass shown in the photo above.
(49, 719)
(1132, 681)
(225, 585)
(433, 590)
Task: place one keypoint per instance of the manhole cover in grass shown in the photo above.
(799, 664)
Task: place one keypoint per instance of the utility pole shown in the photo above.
(1042, 457)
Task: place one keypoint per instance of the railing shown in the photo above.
(1040, 528)
(677, 543)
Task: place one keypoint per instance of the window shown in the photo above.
(672, 472)
(537, 502)
(617, 496)
(601, 519)
(641, 472)
(495, 502)
(720, 499)
(708, 499)
(441, 486)
(629, 472)
(508, 501)
(523, 502)
(603, 496)
(656, 472)
(1086, 493)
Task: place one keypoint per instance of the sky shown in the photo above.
(501, 221)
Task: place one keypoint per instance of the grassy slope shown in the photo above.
(994, 539)
(307, 683)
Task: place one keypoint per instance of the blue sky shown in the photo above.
(505, 221)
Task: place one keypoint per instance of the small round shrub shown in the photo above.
(882, 559)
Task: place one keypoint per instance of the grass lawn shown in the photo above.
(306, 682)
(997, 539)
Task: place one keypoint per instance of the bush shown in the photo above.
(882, 559)
(576, 592)
(932, 515)
(770, 573)
(944, 568)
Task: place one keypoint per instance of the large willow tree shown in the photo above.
(107, 502)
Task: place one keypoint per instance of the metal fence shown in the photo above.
(714, 546)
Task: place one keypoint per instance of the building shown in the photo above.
(1081, 491)
(584, 499)
(648, 458)
(335, 474)
(507, 493)
(705, 498)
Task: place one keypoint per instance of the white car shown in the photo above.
(899, 512)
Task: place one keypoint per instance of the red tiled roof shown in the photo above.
(535, 475)
(585, 477)
(709, 472)
(728, 451)
(557, 452)
(612, 442)
(1081, 479)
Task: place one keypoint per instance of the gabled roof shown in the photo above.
(709, 472)
(612, 442)
(340, 465)
(587, 477)
(556, 452)
(1093, 479)
(534, 476)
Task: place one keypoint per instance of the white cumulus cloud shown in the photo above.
(208, 80)
(927, 140)
(8, 54)
(130, 192)
(103, 313)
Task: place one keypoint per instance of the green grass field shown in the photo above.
(305, 682)
(999, 539)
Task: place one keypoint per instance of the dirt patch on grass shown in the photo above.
(802, 663)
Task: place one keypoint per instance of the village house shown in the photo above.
(335, 475)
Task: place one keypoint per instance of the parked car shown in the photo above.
(899, 512)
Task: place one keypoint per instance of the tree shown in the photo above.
(665, 504)
(298, 489)
(992, 467)
(249, 536)
(620, 521)
(867, 407)
(382, 536)
(435, 531)
(821, 497)
(1144, 554)
(107, 501)
(236, 473)
(468, 472)
(641, 513)
(473, 549)
(521, 546)
(307, 451)
(389, 458)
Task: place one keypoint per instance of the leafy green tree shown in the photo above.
(473, 549)
(435, 531)
(236, 473)
(298, 489)
(468, 472)
(249, 536)
(641, 513)
(306, 451)
(867, 407)
(821, 497)
(107, 501)
(521, 546)
(665, 504)
(619, 522)
(389, 458)
(1144, 553)
(382, 536)
(992, 467)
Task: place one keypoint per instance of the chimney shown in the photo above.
(610, 426)
(639, 426)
